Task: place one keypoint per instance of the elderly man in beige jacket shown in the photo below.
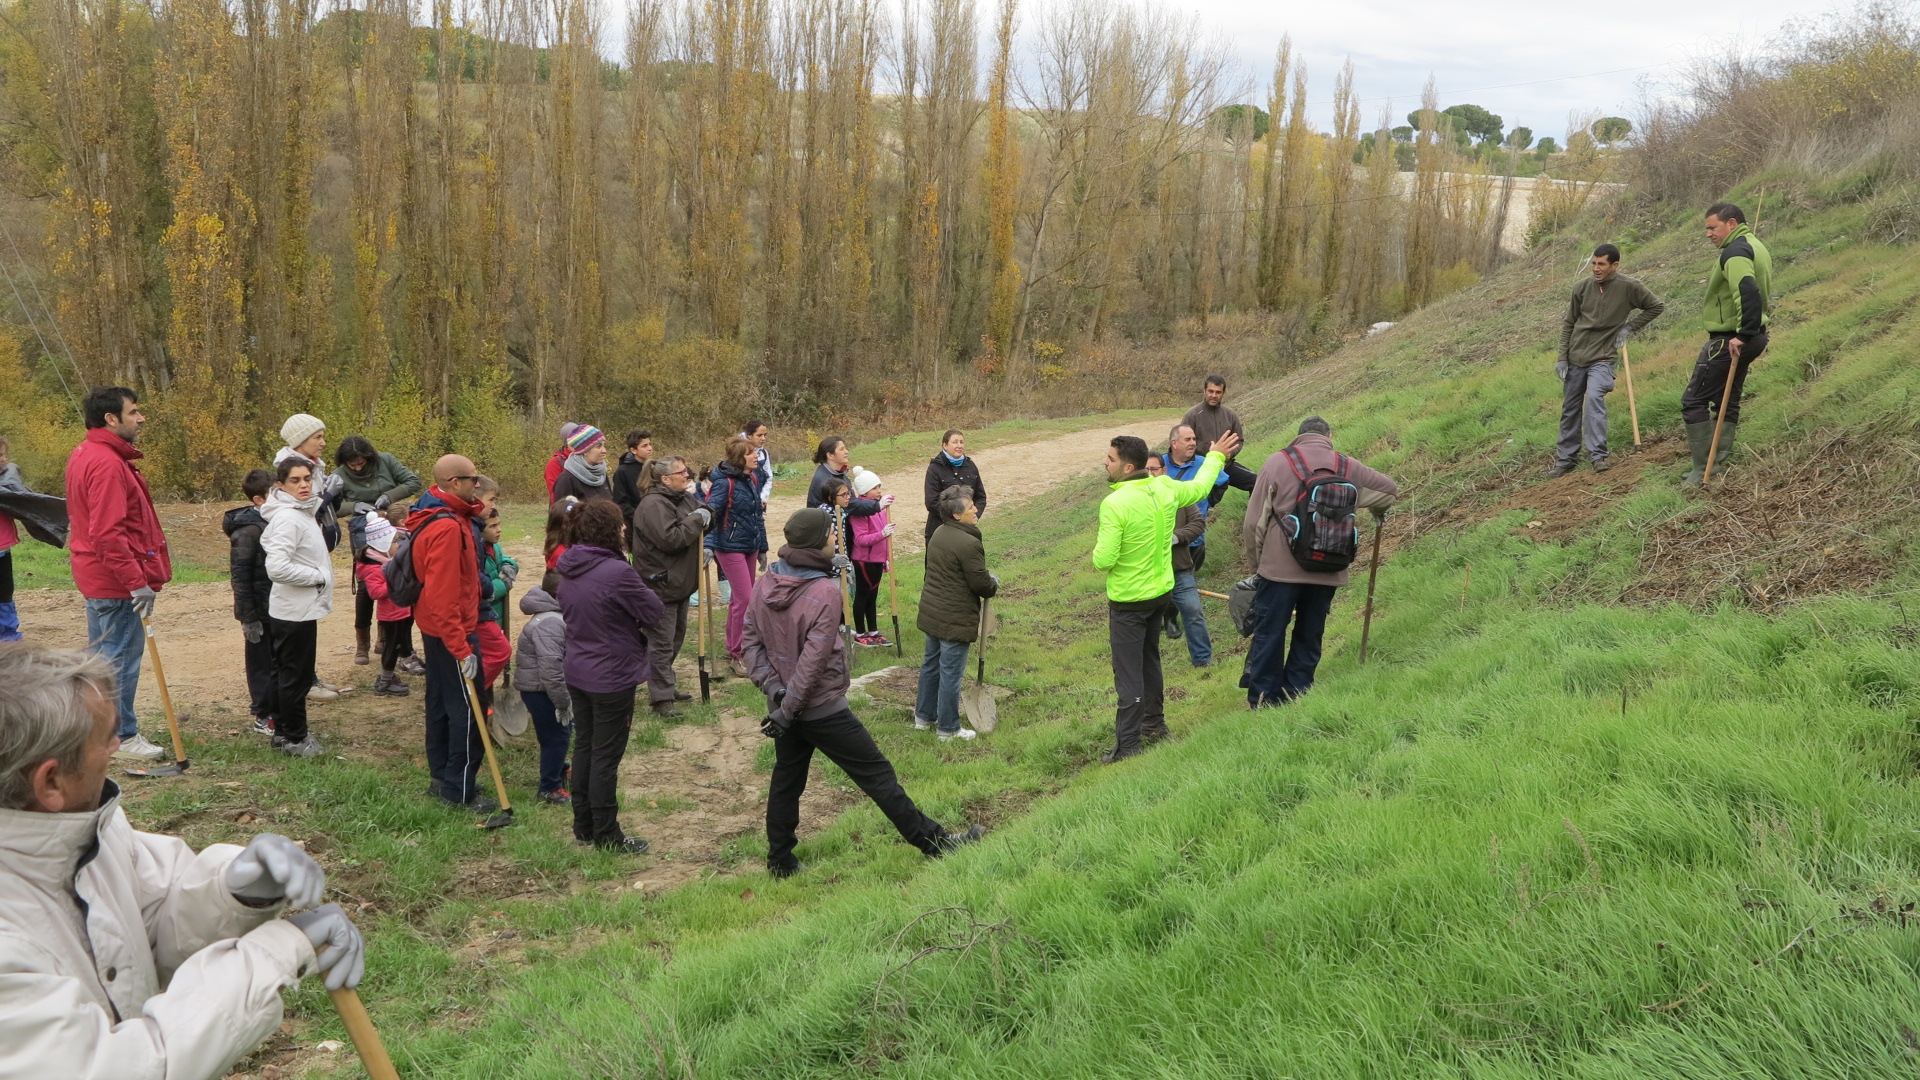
(123, 954)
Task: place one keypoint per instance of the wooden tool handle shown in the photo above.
(166, 699)
(373, 1052)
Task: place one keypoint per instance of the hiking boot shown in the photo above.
(411, 665)
(1699, 438)
(139, 747)
(666, 709)
(556, 797)
(954, 840)
(1559, 469)
(478, 805)
(361, 636)
(682, 695)
(322, 692)
(307, 747)
(963, 733)
(631, 845)
(1602, 465)
(1148, 738)
(390, 685)
(782, 873)
(1116, 755)
(263, 725)
(737, 667)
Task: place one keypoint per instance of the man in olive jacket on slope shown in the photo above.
(956, 582)
(1607, 307)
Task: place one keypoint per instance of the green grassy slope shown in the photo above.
(1539, 835)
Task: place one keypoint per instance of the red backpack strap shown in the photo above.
(1297, 463)
(1340, 466)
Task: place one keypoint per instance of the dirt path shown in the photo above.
(692, 797)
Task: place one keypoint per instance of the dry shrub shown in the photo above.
(40, 421)
(1829, 97)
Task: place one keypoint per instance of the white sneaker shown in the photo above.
(963, 733)
(920, 724)
(139, 747)
(317, 692)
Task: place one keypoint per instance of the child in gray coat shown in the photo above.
(543, 686)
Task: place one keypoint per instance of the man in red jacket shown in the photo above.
(448, 615)
(119, 554)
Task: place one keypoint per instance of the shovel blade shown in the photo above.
(498, 821)
(160, 772)
(982, 709)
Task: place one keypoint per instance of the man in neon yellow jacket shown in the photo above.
(1739, 293)
(1133, 547)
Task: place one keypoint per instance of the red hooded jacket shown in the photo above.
(448, 566)
(115, 540)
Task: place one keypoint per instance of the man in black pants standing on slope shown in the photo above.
(1209, 420)
(795, 654)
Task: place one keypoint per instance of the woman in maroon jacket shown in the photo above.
(608, 612)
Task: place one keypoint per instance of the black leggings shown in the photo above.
(866, 596)
(396, 641)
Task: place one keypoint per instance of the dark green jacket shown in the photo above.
(384, 476)
(1739, 286)
(1590, 331)
(956, 582)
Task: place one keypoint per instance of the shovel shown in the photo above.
(180, 761)
(978, 702)
(505, 817)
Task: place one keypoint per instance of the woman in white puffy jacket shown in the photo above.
(302, 576)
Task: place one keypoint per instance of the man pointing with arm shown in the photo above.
(1133, 545)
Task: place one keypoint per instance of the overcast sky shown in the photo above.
(1491, 43)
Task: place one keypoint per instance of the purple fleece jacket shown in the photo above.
(608, 611)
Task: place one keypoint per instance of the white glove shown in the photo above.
(995, 577)
(143, 598)
(564, 717)
(705, 515)
(886, 501)
(275, 868)
(888, 531)
(336, 942)
(470, 667)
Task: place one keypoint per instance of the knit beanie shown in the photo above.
(808, 529)
(1313, 425)
(865, 480)
(379, 531)
(299, 428)
(584, 437)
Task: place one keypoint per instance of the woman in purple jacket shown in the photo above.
(608, 611)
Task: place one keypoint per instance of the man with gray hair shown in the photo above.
(123, 953)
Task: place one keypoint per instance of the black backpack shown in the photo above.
(403, 584)
(1321, 530)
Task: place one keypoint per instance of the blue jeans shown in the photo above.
(1269, 679)
(553, 736)
(1186, 600)
(941, 673)
(114, 631)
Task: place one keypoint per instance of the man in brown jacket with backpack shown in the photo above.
(1286, 591)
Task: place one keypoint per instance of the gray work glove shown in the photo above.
(333, 485)
(470, 667)
(995, 577)
(842, 564)
(706, 555)
(383, 502)
(1379, 512)
(705, 515)
(1620, 339)
(275, 868)
(364, 508)
(763, 562)
(337, 943)
(143, 598)
(510, 572)
(564, 717)
(254, 632)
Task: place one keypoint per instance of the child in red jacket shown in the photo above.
(396, 622)
(872, 555)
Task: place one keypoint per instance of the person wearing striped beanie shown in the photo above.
(583, 474)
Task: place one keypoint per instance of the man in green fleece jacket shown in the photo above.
(1606, 308)
(1136, 534)
(1738, 294)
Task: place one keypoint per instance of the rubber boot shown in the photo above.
(361, 637)
(1725, 448)
(1699, 437)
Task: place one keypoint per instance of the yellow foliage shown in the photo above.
(1453, 279)
(41, 427)
(699, 381)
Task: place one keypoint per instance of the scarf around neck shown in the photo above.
(590, 475)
